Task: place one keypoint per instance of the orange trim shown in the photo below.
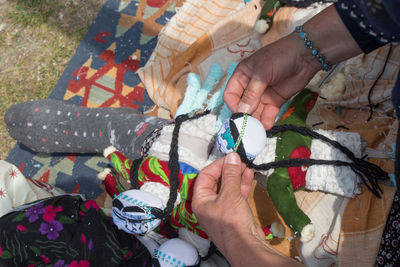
(152, 79)
(179, 41)
(215, 15)
(203, 20)
(191, 24)
(161, 70)
(222, 7)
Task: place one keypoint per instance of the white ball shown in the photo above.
(131, 211)
(254, 137)
(176, 252)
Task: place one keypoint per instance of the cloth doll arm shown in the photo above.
(55, 126)
(281, 192)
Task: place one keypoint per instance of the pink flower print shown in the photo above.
(1, 251)
(128, 255)
(2, 193)
(91, 204)
(21, 228)
(33, 212)
(14, 173)
(74, 263)
(83, 238)
(45, 259)
(50, 213)
(51, 229)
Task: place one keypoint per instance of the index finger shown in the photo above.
(208, 179)
(235, 88)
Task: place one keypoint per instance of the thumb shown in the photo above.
(252, 95)
(231, 175)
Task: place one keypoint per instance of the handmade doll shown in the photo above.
(157, 155)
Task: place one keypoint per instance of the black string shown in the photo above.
(173, 162)
(368, 172)
(134, 173)
(211, 250)
(173, 165)
(302, 3)
(371, 106)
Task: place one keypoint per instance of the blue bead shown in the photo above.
(308, 43)
(321, 59)
(302, 35)
(325, 66)
(315, 52)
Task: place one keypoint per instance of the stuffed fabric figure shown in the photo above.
(334, 163)
(284, 181)
(153, 177)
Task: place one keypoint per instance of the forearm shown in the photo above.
(330, 35)
(250, 249)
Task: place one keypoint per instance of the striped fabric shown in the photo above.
(198, 30)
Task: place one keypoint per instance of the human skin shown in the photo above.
(265, 80)
(220, 205)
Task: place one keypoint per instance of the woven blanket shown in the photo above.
(101, 74)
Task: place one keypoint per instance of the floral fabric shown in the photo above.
(66, 231)
(389, 252)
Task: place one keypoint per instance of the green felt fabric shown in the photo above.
(279, 184)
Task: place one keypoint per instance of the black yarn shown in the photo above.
(367, 171)
(211, 250)
(302, 3)
(134, 173)
(371, 106)
(174, 169)
(235, 134)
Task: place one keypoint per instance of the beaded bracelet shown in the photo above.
(314, 51)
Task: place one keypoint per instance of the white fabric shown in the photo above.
(326, 217)
(16, 190)
(194, 141)
(333, 179)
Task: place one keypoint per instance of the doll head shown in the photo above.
(244, 129)
(137, 212)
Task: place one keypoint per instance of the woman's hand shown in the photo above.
(220, 205)
(220, 201)
(264, 81)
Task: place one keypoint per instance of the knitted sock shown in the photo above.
(54, 126)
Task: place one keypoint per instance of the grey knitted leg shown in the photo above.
(55, 126)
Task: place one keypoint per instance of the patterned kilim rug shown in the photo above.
(101, 74)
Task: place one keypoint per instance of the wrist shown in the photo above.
(328, 33)
(250, 248)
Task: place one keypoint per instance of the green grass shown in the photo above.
(37, 39)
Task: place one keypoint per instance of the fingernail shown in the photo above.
(243, 107)
(233, 158)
